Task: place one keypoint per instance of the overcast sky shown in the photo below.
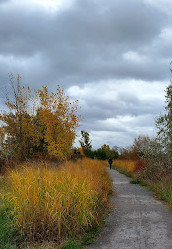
(111, 55)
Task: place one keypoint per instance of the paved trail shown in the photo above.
(138, 220)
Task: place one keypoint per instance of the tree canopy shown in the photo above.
(164, 123)
(41, 121)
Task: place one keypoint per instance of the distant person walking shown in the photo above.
(110, 162)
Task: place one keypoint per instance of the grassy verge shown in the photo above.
(70, 244)
(162, 190)
(8, 235)
(122, 171)
(160, 185)
(49, 204)
(135, 181)
(77, 242)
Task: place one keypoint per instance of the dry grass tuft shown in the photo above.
(51, 203)
(127, 165)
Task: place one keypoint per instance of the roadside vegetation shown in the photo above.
(51, 195)
(124, 166)
(47, 203)
(148, 166)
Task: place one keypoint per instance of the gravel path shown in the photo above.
(138, 220)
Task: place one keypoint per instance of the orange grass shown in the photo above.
(126, 165)
(51, 203)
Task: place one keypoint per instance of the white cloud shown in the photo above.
(163, 5)
(135, 57)
(108, 90)
(112, 138)
(51, 6)
(28, 64)
(166, 35)
(116, 111)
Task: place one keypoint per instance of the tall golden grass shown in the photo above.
(53, 204)
(127, 165)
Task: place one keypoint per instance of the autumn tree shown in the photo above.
(17, 125)
(59, 121)
(37, 122)
(85, 143)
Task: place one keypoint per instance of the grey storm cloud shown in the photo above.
(82, 43)
(122, 105)
(113, 56)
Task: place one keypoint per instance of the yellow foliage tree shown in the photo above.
(49, 125)
(59, 117)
